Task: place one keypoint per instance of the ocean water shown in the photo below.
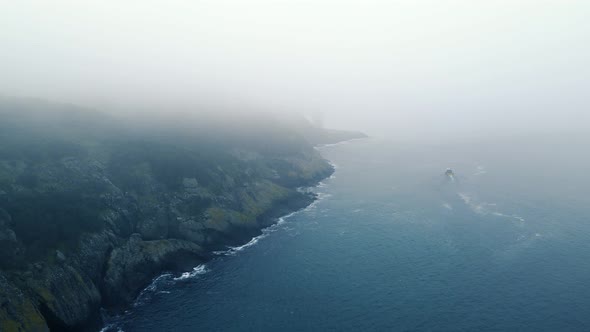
(394, 245)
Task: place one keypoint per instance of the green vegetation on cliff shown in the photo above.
(93, 206)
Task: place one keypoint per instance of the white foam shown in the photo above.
(480, 170)
(447, 206)
(477, 208)
(285, 217)
(234, 250)
(320, 197)
(322, 146)
(465, 198)
(511, 216)
(151, 288)
(198, 270)
(484, 208)
(333, 165)
(111, 327)
(266, 231)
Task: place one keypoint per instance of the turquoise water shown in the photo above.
(394, 245)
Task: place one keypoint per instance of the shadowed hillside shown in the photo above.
(93, 206)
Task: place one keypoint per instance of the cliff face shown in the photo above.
(93, 207)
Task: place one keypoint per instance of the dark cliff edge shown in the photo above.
(93, 207)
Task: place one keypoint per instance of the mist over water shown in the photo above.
(394, 244)
(497, 91)
(406, 69)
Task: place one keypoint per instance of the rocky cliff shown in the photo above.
(92, 207)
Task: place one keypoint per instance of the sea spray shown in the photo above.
(198, 270)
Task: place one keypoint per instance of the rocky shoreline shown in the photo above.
(93, 208)
(178, 264)
(110, 271)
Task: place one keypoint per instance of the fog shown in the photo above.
(391, 68)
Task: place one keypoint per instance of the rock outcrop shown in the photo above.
(92, 208)
(18, 311)
(134, 264)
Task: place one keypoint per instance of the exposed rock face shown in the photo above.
(90, 212)
(10, 249)
(133, 265)
(18, 312)
(67, 298)
(155, 225)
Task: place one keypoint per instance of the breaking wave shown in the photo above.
(159, 284)
(312, 206)
(230, 251)
(234, 250)
(322, 146)
(112, 328)
(198, 270)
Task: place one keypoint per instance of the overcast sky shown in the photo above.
(406, 67)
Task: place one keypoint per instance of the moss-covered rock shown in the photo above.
(66, 297)
(131, 266)
(93, 207)
(18, 312)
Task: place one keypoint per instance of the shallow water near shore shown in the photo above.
(392, 244)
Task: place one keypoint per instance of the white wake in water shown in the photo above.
(484, 208)
(480, 171)
(447, 206)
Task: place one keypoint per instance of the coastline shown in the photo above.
(319, 147)
(109, 322)
(271, 222)
(116, 213)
